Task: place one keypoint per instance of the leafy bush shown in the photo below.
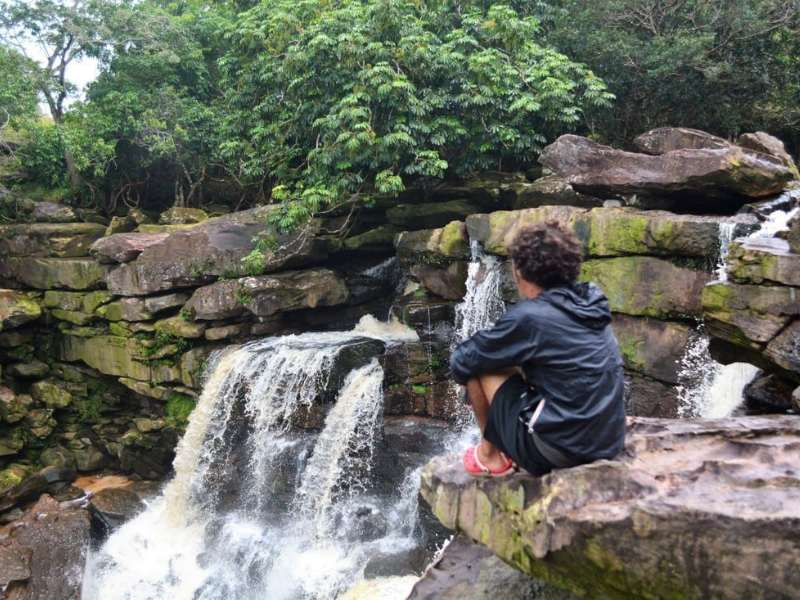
(42, 154)
(330, 99)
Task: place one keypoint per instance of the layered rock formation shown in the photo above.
(665, 520)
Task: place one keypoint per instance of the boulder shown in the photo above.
(595, 169)
(55, 273)
(551, 190)
(178, 215)
(649, 397)
(51, 393)
(16, 309)
(380, 240)
(763, 260)
(784, 350)
(434, 245)
(268, 295)
(466, 570)
(748, 315)
(651, 347)
(120, 225)
(52, 212)
(648, 287)
(124, 247)
(52, 541)
(55, 240)
(179, 327)
(157, 304)
(792, 235)
(666, 139)
(667, 519)
(447, 282)
(765, 143)
(769, 394)
(199, 254)
(51, 480)
(28, 370)
(115, 505)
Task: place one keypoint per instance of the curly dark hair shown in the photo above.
(547, 255)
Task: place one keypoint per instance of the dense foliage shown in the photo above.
(312, 103)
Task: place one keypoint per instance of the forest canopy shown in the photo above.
(312, 103)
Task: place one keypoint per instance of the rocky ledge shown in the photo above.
(692, 509)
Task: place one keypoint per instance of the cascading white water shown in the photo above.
(483, 303)
(726, 231)
(248, 514)
(778, 220)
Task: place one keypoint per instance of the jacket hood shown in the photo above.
(583, 302)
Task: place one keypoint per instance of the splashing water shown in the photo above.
(483, 303)
(257, 509)
(706, 388)
(778, 220)
(726, 232)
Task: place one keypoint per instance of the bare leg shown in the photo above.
(481, 391)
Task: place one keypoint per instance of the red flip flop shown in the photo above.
(476, 468)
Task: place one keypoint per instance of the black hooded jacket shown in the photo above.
(564, 344)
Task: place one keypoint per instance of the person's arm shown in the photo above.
(512, 341)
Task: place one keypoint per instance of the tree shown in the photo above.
(717, 65)
(328, 101)
(63, 32)
(17, 91)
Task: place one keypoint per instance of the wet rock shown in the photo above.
(595, 169)
(769, 394)
(551, 190)
(430, 245)
(448, 282)
(124, 247)
(52, 542)
(55, 273)
(115, 505)
(666, 139)
(182, 216)
(57, 240)
(469, 570)
(623, 528)
(648, 287)
(763, 260)
(649, 397)
(59, 457)
(17, 308)
(650, 346)
(748, 315)
(268, 295)
(201, 253)
(51, 212)
(784, 350)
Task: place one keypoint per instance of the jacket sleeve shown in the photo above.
(512, 341)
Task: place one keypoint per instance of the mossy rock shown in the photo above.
(17, 308)
(648, 287)
(57, 273)
(179, 327)
(182, 216)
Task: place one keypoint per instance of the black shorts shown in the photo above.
(506, 431)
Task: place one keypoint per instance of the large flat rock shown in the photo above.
(198, 254)
(692, 509)
(732, 171)
(764, 260)
(58, 240)
(608, 232)
(54, 273)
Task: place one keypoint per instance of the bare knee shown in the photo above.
(491, 382)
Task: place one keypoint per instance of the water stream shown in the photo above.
(258, 508)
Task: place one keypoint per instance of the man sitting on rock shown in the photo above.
(546, 382)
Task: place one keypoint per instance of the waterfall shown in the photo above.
(483, 303)
(778, 220)
(726, 232)
(258, 509)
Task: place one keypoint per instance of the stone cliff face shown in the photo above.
(105, 331)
